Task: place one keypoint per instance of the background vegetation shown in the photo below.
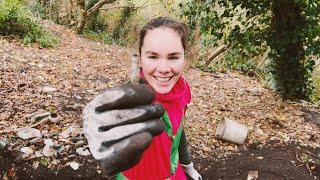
(277, 41)
(17, 19)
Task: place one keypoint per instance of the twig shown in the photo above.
(216, 53)
(7, 131)
(309, 169)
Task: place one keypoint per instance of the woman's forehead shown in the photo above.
(162, 40)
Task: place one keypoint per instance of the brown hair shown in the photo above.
(180, 28)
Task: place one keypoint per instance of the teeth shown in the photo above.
(163, 79)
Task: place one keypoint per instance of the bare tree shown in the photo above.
(85, 14)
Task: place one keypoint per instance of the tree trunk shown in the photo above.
(287, 49)
(82, 17)
(85, 14)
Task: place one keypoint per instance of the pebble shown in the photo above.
(48, 149)
(71, 131)
(74, 165)
(27, 152)
(28, 133)
(83, 152)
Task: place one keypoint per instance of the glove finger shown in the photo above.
(119, 133)
(100, 141)
(125, 96)
(110, 119)
(126, 153)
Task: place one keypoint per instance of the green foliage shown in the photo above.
(288, 30)
(101, 36)
(120, 32)
(95, 23)
(38, 9)
(16, 19)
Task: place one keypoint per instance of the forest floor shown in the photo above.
(46, 89)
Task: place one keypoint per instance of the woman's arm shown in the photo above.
(185, 159)
(184, 154)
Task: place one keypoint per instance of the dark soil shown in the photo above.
(274, 163)
(278, 163)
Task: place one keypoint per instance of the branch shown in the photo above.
(216, 53)
(97, 6)
(118, 7)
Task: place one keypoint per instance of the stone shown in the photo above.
(74, 165)
(28, 133)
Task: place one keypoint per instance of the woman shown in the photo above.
(162, 46)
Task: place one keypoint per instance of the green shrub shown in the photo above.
(101, 36)
(16, 19)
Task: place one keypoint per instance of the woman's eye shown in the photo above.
(173, 58)
(152, 57)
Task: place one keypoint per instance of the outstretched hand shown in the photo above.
(119, 125)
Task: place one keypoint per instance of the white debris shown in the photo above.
(3, 143)
(260, 157)
(83, 152)
(27, 152)
(259, 132)
(74, 165)
(35, 164)
(252, 175)
(48, 149)
(71, 131)
(38, 154)
(48, 89)
(28, 133)
(54, 118)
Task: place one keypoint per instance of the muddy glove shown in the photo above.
(193, 173)
(119, 125)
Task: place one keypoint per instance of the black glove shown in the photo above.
(119, 125)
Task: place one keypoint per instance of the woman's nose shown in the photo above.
(163, 66)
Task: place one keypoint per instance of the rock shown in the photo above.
(27, 152)
(48, 149)
(71, 131)
(83, 152)
(28, 133)
(260, 157)
(74, 165)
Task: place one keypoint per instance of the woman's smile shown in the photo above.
(163, 80)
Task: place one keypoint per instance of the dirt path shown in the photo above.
(62, 80)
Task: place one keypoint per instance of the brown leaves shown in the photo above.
(243, 99)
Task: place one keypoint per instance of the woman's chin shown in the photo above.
(163, 89)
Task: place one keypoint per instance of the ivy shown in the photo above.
(287, 30)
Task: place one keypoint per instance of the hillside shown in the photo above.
(61, 81)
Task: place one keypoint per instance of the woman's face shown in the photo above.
(162, 58)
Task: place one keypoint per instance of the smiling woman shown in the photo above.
(162, 59)
(150, 144)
